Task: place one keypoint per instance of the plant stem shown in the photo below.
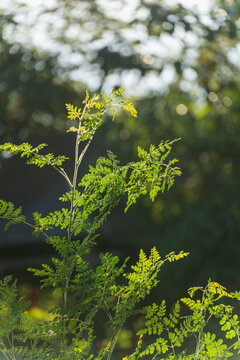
(113, 344)
(77, 161)
(64, 174)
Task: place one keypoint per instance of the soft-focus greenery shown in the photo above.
(185, 73)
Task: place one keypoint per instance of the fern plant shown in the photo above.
(188, 335)
(85, 291)
(109, 288)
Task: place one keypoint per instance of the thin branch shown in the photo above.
(64, 174)
(83, 152)
(113, 344)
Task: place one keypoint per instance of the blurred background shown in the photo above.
(179, 62)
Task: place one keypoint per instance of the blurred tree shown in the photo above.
(182, 64)
(31, 95)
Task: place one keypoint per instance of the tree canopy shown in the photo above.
(181, 65)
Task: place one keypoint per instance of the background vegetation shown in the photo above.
(181, 66)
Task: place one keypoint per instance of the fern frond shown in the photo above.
(10, 213)
(216, 288)
(31, 153)
(73, 112)
(174, 257)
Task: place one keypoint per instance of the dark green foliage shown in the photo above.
(12, 318)
(9, 213)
